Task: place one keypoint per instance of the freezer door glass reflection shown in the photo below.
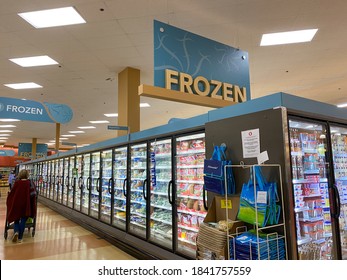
(95, 185)
(310, 188)
(106, 183)
(78, 188)
(138, 195)
(120, 179)
(339, 147)
(189, 181)
(85, 184)
(161, 193)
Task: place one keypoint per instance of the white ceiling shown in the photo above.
(118, 34)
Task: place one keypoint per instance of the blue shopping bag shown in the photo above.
(214, 173)
(258, 201)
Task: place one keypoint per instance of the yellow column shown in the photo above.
(129, 100)
(57, 136)
(33, 148)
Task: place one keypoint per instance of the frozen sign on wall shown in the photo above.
(190, 63)
(250, 143)
(12, 108)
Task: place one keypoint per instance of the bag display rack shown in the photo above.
(265, 241)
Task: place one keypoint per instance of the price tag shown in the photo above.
(261, 197)
(226, 204)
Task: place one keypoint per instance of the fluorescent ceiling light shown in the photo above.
(290, 37)
(112, 115)
(52, 141)
(49, 143)
(34, 61)
(23, 85)
(99, 121)
(9, 120)
(4, 135)
(4, 131)
(68, 135)
(86, 127)
(76, 131)
(3, 138)
(6, 125)
(342, 105)
(53, 17)
(63, 138)
(144, 105)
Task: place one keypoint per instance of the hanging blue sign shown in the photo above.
(12, 108)
(190, 63)
(25, 150)
(7, 153)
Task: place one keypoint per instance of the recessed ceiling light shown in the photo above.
(99, 121)
(112, 115)
(342, 105)
(68, 135)
(76, 131)
(4, 131)
(6, 125)
(23, 85)
(86, 127)
(144, 105)
(34, 61)
(290, 37)
(53, 17)
(9, 120)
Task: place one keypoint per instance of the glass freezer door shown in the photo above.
(138, 192)
(95, 185)
(85, 184)
(106, 183)
(78, 187)
(59, 181)
(310, 189)
(161, 193)
(120, 168)
(44, 179)
(72, 182)
(190, 155)
(339, 148)
(66, 180)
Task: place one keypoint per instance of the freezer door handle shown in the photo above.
(67, 178)
(169, 192)
(124, 184)
(88, 183)
(338, 202)
(110, 185)
(204, 197)
(80, 183)
(144, 189)
(97, 185)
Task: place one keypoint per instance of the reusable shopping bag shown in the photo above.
(258, 200)
(214, 173)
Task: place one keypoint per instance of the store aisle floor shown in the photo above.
(56, 238)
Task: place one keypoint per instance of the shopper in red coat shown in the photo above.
(21, 204)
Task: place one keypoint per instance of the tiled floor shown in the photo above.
(56, 238)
